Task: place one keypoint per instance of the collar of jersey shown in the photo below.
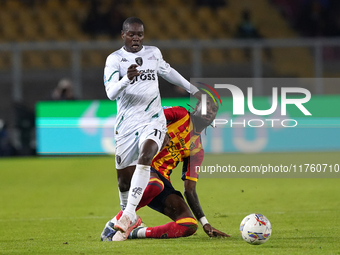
(142, 49)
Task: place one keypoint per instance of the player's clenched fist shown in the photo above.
(132, 72)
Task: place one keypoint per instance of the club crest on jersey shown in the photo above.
(139, 61)
(118, 159)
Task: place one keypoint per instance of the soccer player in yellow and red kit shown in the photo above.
(184, 131)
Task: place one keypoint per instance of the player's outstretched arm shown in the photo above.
(176, 78)
(194, 204)
(171, 75)
(113, 85)
(198, 95)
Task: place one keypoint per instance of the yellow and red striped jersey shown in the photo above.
(185, 145)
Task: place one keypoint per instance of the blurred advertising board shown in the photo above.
(87, 127)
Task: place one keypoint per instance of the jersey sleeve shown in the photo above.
(113, 86)
(163, 67)
(171, 75)
(191, 165)
(175, 113)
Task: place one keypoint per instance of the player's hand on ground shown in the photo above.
(132, 72)
(213, 232)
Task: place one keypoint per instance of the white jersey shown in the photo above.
(138, 101)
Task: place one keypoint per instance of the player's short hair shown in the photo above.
(131, 20)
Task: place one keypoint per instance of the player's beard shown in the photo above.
(199, 122)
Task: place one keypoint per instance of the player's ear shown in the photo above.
(122, 34)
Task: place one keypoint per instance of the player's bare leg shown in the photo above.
(155, 186)
(176, 208)
(139, 182)
(184, 223)
(124, 178)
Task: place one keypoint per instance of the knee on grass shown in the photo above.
(190, 226)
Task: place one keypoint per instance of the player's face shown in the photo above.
(212, 109)
(133, 37)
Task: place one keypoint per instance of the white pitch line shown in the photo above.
(58, 218)
(106, 217)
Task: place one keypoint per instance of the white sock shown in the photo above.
(114, 220)
(139, 181)
(123, 196)
(141, 233)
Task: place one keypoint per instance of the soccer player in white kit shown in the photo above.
(131, 78)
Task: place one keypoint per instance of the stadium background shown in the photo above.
(46, 41)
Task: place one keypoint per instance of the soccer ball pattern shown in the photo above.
(255, 229)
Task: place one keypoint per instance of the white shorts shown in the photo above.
(128, 147)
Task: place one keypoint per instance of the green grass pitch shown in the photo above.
(60, 206)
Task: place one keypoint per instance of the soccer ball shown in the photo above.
(255, 229)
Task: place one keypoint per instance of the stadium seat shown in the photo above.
(10, 32)
(58, 59)
(60, 20)
(5, 61)
(237, 56)
(53, 5)
(177, 56)
(33, 60)
(13, 5)
(91, 58)
(73, 5)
